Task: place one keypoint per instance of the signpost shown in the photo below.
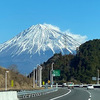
(43, 83)
(53, 73)
(48, 81)
(12, 83)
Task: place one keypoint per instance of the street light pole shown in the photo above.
(51, 74)
(40, 76)
(98, 77)
(6, 80)
(34, 78)
(37, 75)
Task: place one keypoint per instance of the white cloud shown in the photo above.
(52, 26)
(81, 39)
(77, 37)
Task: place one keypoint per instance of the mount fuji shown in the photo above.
(34, 46)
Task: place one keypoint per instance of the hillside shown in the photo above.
(87, 61)
(61, 62)
(79, 68)
(19, 81)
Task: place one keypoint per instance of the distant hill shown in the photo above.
(62, 63)
(79, 68)
(19, 81)
(87, 61)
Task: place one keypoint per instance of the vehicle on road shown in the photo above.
(90, 87)
(70, 85)
(81, 85)
(64, 85)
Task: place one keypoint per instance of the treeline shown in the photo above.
(79, 68)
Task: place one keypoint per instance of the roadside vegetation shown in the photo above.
(15, 81)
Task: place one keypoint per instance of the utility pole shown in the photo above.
(98, 77)
(6, 80)
(40, 76)
(34, 78)
(51, 74)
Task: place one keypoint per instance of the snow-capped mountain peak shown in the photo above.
(39, 41)
(39, 38)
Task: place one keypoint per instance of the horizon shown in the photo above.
(77, 17)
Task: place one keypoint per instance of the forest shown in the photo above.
(79, 67)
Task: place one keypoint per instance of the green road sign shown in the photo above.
(56, 73)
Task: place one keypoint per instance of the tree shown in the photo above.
(87, 60)
(13, 68)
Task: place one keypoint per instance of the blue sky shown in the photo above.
(79, 16)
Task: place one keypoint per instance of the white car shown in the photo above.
(81, 85)
(70, 85)
(64, 85)
(90, 87)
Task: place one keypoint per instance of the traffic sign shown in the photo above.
(43, 82)
(12, 83)
(48, 81)
(94, 78)
(56, 72)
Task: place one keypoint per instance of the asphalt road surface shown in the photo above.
(73, 94)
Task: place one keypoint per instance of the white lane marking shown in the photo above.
(89, 95)
(61, 95)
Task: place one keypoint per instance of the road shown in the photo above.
(95, 94)
(73, 94)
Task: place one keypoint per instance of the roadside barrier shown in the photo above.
(8, 95)
(31, 94)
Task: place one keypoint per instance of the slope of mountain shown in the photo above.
(34, 46)
(20, 81)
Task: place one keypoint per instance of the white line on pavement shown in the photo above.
(89, 95)
(61, 95)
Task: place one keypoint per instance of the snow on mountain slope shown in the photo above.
(35, 42)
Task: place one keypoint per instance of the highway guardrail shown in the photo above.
(34, 93)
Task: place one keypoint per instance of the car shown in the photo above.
(90, 87)
(64, 85)
(81, 85)
(70, 85)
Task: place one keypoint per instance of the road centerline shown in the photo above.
(89, 95)
(61, 95)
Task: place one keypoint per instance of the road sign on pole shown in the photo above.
(56, 72)
(43, 83)
(94, 78)
(12, 83)
(48, 81)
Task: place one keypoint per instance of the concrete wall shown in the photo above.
(8, 95)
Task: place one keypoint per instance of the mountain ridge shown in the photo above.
(34, 42)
